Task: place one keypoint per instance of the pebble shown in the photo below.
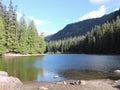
(64, 83)
(42, 88)
(83, 82)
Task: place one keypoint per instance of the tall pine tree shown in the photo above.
(11, 27)
(33, 42)
(2, 38)
(23, 37)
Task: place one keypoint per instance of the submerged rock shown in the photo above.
(117, 71)
(56, 76)
(9, 82)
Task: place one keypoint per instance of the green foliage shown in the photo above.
(2, 38)
(42, 45)
(11, 21)
(35, 42)
(33, 38)
(17, 37)
(23, 37)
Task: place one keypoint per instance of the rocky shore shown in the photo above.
(12, 83)
(73, 85)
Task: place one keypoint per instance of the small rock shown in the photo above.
(117, 82)
(64, 83)
(117, 71)
(78, 82)
(83, 82)
(72, 83)
(42, 88)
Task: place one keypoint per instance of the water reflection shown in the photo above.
(67, 66)
(18, 66)
(48, 76)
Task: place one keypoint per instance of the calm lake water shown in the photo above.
(67, 66)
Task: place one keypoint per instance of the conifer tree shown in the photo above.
(33, 40)
(12, 27)
(2, 38)
(1, 9)
(18, 38)
(42, 45)
(23, 37)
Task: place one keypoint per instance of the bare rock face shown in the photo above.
(9, 82)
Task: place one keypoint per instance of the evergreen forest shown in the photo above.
(16, 36)
(102, 39)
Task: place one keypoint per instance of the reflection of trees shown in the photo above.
(17, 67)
(41, 72)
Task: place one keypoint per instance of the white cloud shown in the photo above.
(46, 33)
(19, 15)
(99, 1)
(36, 21)
(94, 14)
(116, 9)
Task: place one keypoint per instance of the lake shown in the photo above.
(66, 66)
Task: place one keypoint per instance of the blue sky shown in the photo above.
(51, 16)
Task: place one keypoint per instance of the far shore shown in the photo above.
(17, 55)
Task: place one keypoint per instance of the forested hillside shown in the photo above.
(81, 27)
(16, 36)
(102, 39)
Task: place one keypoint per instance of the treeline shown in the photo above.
(102, 39)
(17, 37)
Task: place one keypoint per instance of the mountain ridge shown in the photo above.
(82, 27)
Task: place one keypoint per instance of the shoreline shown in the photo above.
(100, 84)
(19, 55)
(13, 83)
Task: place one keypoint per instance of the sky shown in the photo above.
(50, 16)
